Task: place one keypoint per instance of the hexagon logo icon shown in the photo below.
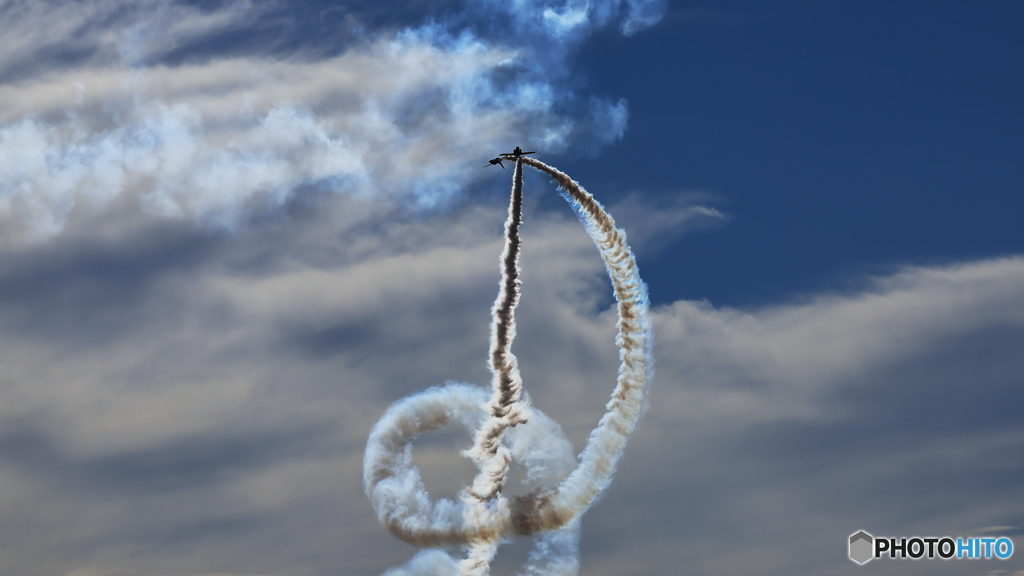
(860, 546)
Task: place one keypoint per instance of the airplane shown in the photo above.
(516, 153)
(496, 161)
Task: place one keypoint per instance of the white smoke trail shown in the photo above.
(505, 407)
(512, 430)
(636, 365)
(397, 492)
(507, 384)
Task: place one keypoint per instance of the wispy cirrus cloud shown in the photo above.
(118, 110)
(50, 36)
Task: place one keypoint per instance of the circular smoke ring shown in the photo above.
(400, 497)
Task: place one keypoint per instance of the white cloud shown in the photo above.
(221, 137)
(215, 141)
(105, 32)
(215, 420)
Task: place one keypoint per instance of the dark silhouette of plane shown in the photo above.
(515, 153)
(496, 161)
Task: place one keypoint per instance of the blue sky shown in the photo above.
(233, 233)
(841, 137)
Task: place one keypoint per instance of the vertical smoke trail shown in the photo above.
(505, 408)
(507, 429)
(507, 385)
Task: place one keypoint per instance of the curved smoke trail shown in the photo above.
(508, 429)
